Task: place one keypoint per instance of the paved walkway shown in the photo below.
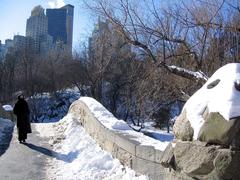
(26, 161)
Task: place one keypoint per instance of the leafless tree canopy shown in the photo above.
(182, 31)
(177, 45)
(149, 55)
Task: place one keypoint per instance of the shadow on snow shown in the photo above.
(68, 158)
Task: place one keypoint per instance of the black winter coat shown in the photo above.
(22, 111)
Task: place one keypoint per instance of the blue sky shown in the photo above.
(14, 14)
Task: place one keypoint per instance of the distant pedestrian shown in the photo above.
(22, 112)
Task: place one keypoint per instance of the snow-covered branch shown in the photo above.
(194, 75)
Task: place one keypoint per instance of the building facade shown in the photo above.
(19, 42)
(37, 27)
(60, 25)
(44, 32)
(105, 34)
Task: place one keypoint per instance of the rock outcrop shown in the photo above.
(197, 160)
(207, 132)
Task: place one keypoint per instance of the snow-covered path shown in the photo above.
(26, 161)
(60, 151)
(78, 156)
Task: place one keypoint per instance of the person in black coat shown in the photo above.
(23, 124)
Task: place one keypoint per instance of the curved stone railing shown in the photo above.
(125, 146)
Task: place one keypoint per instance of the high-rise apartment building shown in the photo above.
(9, 43)
(60, 24)
(37, 23)
(19, 42)
(69, 23)
(37, 27)
(2, 48)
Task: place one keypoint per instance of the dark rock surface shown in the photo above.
(198, 160)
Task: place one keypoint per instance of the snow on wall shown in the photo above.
(135, 150)
(108, 120)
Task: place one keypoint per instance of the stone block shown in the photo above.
(126, 142)
(123, 156)
(227, 164)
(145, 152)
(194, 159)
(182, 128)
(144, 167)
(158, 155)
(168, 159)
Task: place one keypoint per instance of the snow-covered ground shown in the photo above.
(48, 107)
(6, 125)
(80, 157)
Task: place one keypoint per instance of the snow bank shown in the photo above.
(223, 98)
(5, 127)
(108, 120)
(79, 157)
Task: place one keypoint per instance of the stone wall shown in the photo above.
(143, 159)
(180, 160)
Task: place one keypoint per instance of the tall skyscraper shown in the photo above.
(69, 23)
(19, 41)
(37, 26)
(37, 23)
(60, 24)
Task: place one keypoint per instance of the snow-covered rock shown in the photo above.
(214, 110)
(7, 107)
(6, 112)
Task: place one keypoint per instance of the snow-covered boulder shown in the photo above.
(6, 112)
(214, 110)
(7, 107)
